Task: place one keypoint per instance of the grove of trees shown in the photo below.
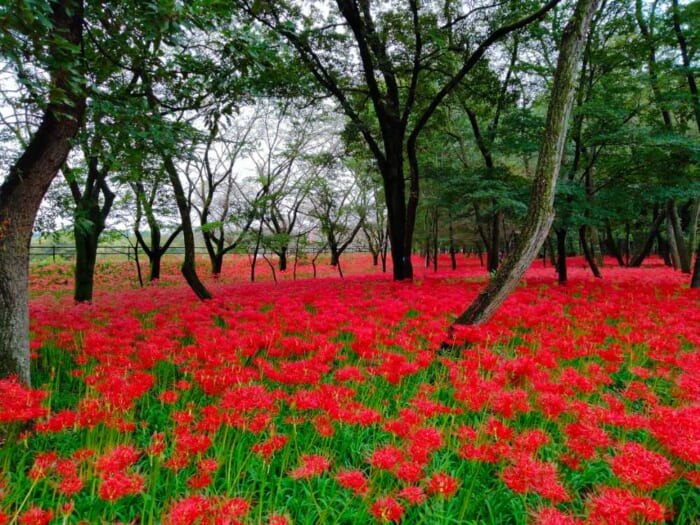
(512, 129)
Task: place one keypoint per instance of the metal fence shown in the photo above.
(62, 252)
(67, 251)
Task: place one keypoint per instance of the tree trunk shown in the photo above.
(561, 255)
(673, 254)
(677, 233)
(645, 250)
(695, 279)
(188, 267)
(493, 254)
(28, 179)
(588, 252)
(85, 258)
(451, 233)
(395, 191)
(612, 245)
(541, 210)
(282, 254)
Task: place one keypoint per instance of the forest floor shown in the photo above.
(322, 401)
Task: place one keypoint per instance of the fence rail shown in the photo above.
(67, 251)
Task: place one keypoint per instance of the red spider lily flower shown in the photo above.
(640, 467)
(199, 480)
(354, 480)
(349, 374)
(529, 441)
(259, 422)
(58, 422)
(386, 458)
(410, 471)
(277, 519)
(387, 509)
(413, 494)
(527, 474)
(116, 485)
(35, 516)
(118, 459)
(553, 516)
(619, 506)
(267, 448)
(168, 397)
(187, 511)
(19, 403)
(585, 438)
(157, 445)
(693, 477)
(442, 484)
(311, 465)
(44, 464)
(190, 443)
(70, 483)
(323, 426)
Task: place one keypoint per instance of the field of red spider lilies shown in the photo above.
(325, 401)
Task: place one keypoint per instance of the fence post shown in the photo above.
(53, 253)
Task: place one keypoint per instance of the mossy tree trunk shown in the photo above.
(541, 210)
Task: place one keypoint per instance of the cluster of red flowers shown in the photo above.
(562, 379)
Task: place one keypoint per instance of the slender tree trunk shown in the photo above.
(695, 279)
(645, 250)
(588, 252)
(541, 210)
(282, 254)
(677, 233)
(672, 246)
(451, 233)
(188, 268)
(612, 244)
(562, 275)
(24, 187)
(493, 254)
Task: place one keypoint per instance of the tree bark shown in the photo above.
(541, 210)
(28, 179)
(588, 251)
(89, 222)
(676, 232)
(645, 250)
(188, 268)
(562, 275)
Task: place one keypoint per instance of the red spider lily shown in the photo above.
(527, 474)
(58, 422)
(157, 445)
(310, 465)
(44, 464)
(19, 403)
(387, 509)
(267, 448)
(642, 468)
(619, 506)
(115, 485)
(354, 480)
(413, 495)
(553, 516)
(200, 509)
(442, 484)
(410, 471)
(35, 516)
(386, 458)
(276, 519)
(118, 459)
